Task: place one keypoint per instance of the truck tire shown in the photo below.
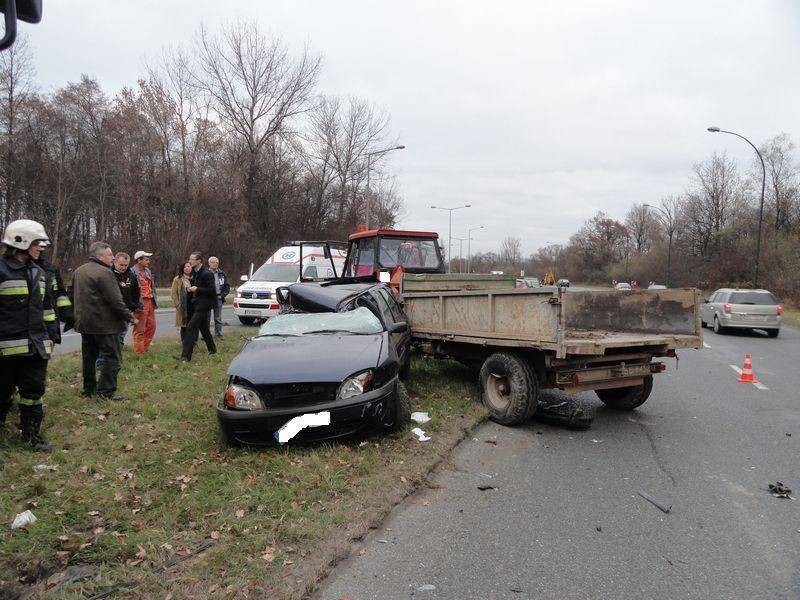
(508, 388)
(627, 398)
(399, 413)
(247, 320)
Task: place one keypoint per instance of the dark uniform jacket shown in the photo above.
(131, 291)
(99, 307)
(62, 303)
(205, 295)
(26, 309)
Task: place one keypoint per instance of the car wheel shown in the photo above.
(405, 368)
(717, 327)
(247, 320)
(508, 388)
(773, 332)
(703, 324)
(399, 413)
(627, 398)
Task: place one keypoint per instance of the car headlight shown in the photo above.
(243, 398)
(355, 385)
(239, 294)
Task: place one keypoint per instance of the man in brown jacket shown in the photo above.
(100, 315)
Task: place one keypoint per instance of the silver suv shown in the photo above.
(742, 309)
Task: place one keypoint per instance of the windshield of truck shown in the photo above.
(276, 272)
(360, 321)
(414, 253)
(758, 298)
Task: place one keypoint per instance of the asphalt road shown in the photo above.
(566, 520)
(165, 327)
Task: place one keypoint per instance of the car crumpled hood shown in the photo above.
(308, 358)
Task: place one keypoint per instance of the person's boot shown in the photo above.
(30, 423)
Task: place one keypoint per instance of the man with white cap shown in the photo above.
(145, 329)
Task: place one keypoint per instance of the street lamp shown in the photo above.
(670, 226)
(369, 156)
(460, 253)
(763, 185)
(469, 246)
(450, 233)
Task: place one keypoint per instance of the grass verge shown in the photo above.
(791, 316)
(132, 485)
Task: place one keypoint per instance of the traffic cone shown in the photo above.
(747, 375)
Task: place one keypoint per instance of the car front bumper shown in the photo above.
(352, 416)
(257, 309)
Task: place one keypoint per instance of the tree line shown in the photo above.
(226, 146)
(712, 223)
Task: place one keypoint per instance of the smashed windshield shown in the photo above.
(273, 272)
(360, 321)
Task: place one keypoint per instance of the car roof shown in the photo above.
(757, 290)
(325, 297)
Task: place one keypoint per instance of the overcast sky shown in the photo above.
(537, 113)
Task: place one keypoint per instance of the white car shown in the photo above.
(255, 300)
(623, 286)
(656, 286)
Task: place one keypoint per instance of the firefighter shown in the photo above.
(27, 313)
(63, 305)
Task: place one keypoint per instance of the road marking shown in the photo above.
(706, 345)
(758, 384)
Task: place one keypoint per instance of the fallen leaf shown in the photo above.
(101, 417)
(269, 554)
(288, 562)
(142, 553)
(239, 513)
(128, 448)
(214, 535)
(94, 513)
(98, 530)
(63, 538)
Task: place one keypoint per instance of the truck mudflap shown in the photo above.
(606, 377)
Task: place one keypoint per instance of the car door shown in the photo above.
(705, 309)
(715, 306)
(393, 313)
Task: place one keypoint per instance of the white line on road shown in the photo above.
(758, 384)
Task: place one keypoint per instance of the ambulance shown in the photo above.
(255, 299)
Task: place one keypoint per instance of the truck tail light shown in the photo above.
(657, 367)
(726, 308)
(780, 309)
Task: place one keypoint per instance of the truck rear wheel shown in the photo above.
(627, 398)
(508, 388)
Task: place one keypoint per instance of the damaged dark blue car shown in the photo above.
(328, 366)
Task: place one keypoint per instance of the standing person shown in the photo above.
(26, 310)
(100, 316)
(222, 287)
(199, 300)
(179, 291)
(63, 306)
(145, 329)
(131, 294)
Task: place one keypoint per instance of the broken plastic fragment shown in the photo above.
(426, 588)
(420, 434)
(294, 426)
(420, 417)
(23, 519)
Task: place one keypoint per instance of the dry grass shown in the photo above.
(143, 481)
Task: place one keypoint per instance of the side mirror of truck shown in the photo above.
(243, 278)
(705, 301)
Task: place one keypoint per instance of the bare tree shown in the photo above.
(641, 224)
(511, 250)
(783, 187)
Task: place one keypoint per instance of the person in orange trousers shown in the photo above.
(145, 329)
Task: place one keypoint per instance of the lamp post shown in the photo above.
(369, 156)
(450, 233)
(670, 227)
(761, 204)
(460, 253)
(469, 246)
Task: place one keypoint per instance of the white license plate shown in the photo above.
(254, 313)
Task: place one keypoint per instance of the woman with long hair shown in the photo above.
(180, 285)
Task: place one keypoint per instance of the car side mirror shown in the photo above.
(29, 11)
(243, 278)
(706, 301)
(282, 293)
(399, 327)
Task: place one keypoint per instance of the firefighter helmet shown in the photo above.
(22, 233)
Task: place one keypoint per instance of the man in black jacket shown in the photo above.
(200, 299)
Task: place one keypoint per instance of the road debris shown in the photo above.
(292, 427)
(779, 490)
(420, 434)
(594, 441)
(492, 442)
(420, 417)
(483, 488)
(40, 468)
(23, 519)
(662, 507)
(426, 588)
(564, 414)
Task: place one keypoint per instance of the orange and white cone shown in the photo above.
(747, 375)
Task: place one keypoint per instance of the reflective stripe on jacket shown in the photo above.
(26, 309)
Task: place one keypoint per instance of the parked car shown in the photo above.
(623, 286)
(656, 286)
(562, 283)
(344, 354)
(742, 309)
(533, 282)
